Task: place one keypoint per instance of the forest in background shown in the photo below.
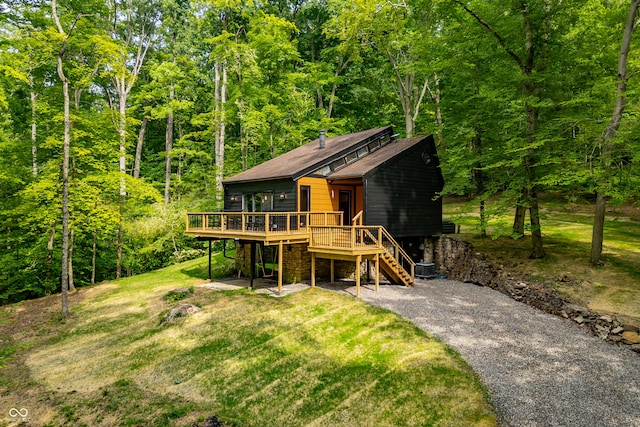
(118, 116)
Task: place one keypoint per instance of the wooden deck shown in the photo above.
(321, 230)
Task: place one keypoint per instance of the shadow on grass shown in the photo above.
(220, 267)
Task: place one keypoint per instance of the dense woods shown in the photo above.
(118, 116)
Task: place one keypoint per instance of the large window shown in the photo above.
(258, 202)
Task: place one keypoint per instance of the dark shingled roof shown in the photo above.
(310, 156)
(367, 163)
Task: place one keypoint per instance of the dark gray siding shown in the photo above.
(286, 186)
(400, 193)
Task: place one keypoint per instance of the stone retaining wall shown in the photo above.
(460, 261)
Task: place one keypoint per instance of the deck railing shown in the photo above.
(360, 237)
(346, 238)
(402, 258)
(263, 223)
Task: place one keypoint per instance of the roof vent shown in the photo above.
(322, 139)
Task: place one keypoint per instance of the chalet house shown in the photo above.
(327, 206)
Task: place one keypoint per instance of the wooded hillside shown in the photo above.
(118, 116)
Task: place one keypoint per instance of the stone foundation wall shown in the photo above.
(460, 261)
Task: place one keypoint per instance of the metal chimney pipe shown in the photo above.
(322, 139)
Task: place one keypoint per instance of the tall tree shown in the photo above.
(64, 35)
(607, 145)
(531, 59)
(134, 26)
(392, 30)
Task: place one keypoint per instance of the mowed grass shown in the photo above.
(612, 289)
(313, 358)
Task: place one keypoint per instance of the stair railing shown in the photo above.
(402, 258)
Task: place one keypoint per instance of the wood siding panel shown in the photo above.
(320, 194)
(400, 194)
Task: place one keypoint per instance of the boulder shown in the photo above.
(182, 310)
(630, 337)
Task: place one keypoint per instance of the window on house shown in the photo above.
(373, 146)
(257, 202)
(337, 164)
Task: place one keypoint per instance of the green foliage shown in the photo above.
(293, 68)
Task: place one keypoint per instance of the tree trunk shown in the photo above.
(216, 109)
(408, 124)
(180, 162)
(64, 279)
(220, 98)
(122, 130)
(34, 130)
(532, 112)
(138, 158)
(168, 147)
(439, 122)
(243, 149)
(94, 250)
(597, 235)
(518, 219)
(537, 250)
(478, 177)
(220, 151)
(120, 239)
(50, 242)
(72, 286)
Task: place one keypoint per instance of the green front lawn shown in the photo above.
(312, 358)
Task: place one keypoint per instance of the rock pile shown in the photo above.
(182, 310)
(461, 262)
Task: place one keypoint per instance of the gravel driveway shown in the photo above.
(540, 370)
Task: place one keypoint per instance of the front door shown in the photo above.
(344, 205)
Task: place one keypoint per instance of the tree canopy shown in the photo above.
(124, 114)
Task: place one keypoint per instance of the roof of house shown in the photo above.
(309, 157)
(375, 159)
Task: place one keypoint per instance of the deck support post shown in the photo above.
(358, 262)
(377, 272)
(313, 269)
(209, 259)
(280, 266)
(333, 270)
(368, 270)
(253, 264)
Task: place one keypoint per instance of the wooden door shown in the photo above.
(344, 205)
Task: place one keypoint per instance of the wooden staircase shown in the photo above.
(394, 271)
(366, 242)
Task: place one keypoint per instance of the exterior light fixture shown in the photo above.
(283, 195)
(233, 198)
